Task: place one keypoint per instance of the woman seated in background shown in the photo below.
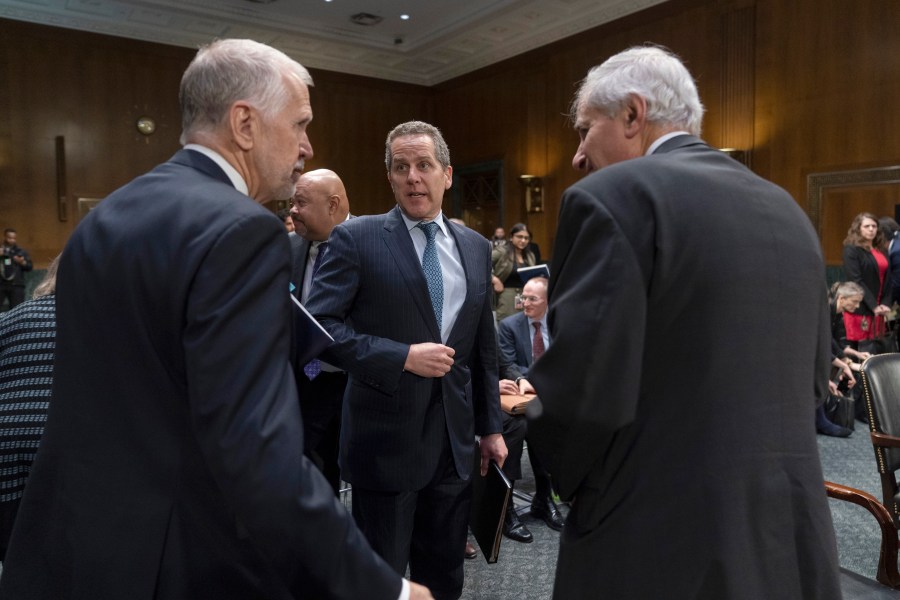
(866, 264)
(506, 259)
(846, 296)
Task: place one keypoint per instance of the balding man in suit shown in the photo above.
(320, 202)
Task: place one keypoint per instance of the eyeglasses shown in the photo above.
(521, 236)
(531, 299)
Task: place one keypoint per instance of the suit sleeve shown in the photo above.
(377, 361)
(824, 352)
(246, 419)
(483, 367)
(509, 369)
(589, 377)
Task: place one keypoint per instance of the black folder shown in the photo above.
(490, 497)
(526, 273)
(310, 338)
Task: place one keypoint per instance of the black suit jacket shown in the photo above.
(860, 266)
(371, 295)
(172, 463)
(675, 431)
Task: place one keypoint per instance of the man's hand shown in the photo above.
(19, 259)
(832, 388)
(525, 387)
(508, 387)
(419, 592)
(492, 446)
(429, 359)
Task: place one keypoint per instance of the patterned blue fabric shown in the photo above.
(27, 348)
(432, 267)
(314, 367)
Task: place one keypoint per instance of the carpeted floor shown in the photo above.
(525, 571)
(851, 461)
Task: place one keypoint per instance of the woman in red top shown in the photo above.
(866, 264)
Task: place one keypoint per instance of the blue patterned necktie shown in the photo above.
(432, 267)
(314, 367)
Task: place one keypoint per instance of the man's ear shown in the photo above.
(635, 114)
(243, 120)
(449, 174)
(333, 202)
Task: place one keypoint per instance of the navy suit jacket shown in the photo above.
(515, 335)
(172, 463)
(371, 295)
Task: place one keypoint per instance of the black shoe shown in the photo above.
(471, 552)
(545, 508)
(835, 430)
(515, 529)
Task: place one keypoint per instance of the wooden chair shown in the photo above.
(881, 394)
(853, 585)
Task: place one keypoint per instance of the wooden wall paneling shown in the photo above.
(738, 37)
(487, 119)
(80, 86)
(827, 73)
(351, 119)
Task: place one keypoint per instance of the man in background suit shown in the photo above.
(171, 466)
(686, 445)
(406, 296)
(320, 202)
(523, 337)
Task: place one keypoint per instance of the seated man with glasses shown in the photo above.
(523, 337)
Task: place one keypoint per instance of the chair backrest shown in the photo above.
(881, 390)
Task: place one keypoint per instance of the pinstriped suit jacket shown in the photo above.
(372, 297)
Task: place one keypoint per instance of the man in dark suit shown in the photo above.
(320, 202)
(523, 337)
(14, 263)
(172, 465)
(406, 296)
(687, 444)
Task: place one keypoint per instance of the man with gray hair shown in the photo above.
(172, 463)
(685, 442)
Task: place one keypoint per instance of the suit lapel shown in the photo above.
(526, 339)
(400, 245)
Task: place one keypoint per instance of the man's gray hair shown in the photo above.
(652, 73)
(230, 70)
(441, 151)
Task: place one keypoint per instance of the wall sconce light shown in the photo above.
(534, 196)
(145, 125)
(741, 156)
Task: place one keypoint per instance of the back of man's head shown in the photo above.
(652, 73)
(230, 70)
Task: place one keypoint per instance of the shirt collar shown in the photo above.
(410, 224)
(236, 180)
(662, 140)
(542, 321)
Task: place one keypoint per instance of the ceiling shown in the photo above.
(441, 39)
